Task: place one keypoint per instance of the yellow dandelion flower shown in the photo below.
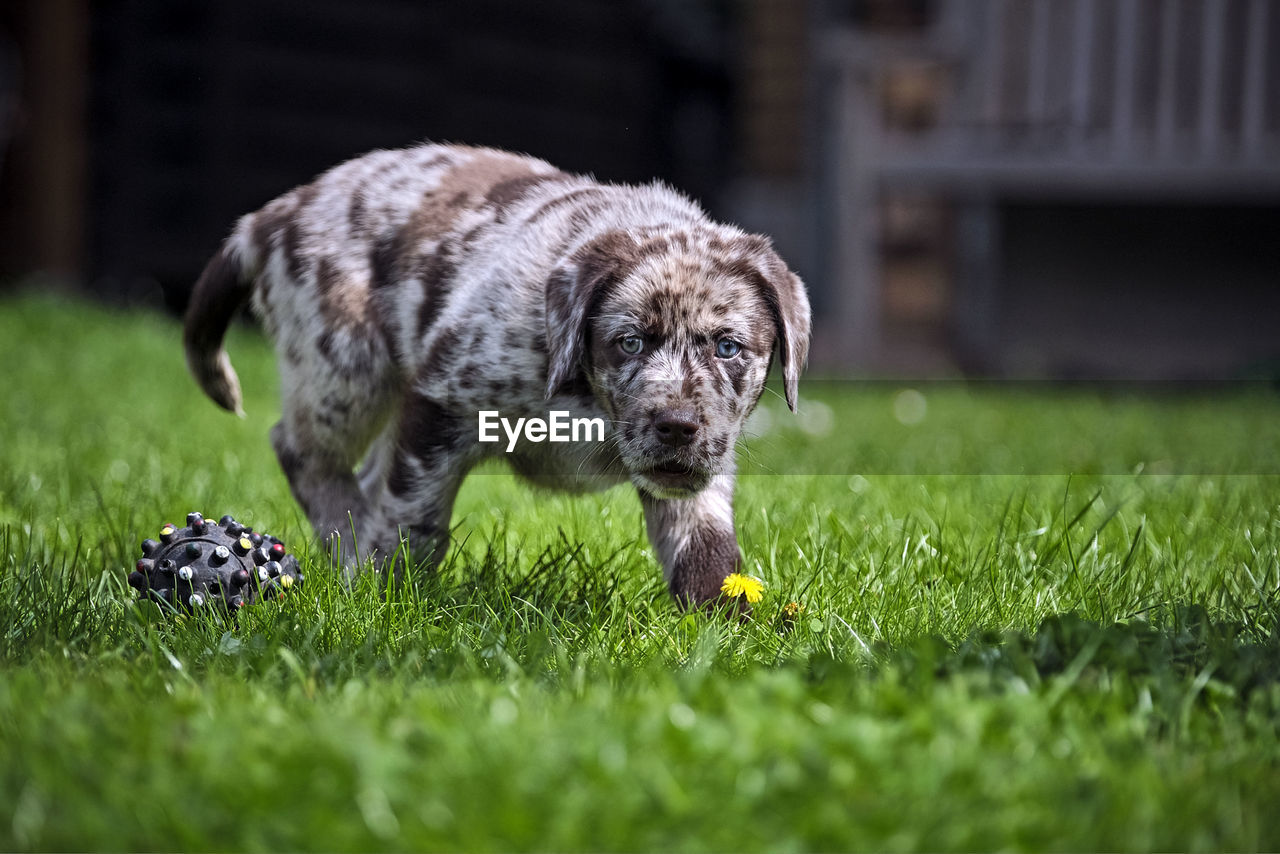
(736, 584)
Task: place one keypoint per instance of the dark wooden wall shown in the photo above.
(202, 110)
(44, 55)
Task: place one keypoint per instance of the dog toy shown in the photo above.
(207, 564)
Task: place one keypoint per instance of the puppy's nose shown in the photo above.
(675, 427)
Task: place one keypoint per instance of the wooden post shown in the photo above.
(1255, 63)
(1211, 59)
(854, 276)
(1167, 90)
(1127, 46)
(1082, 73)
(47, 162)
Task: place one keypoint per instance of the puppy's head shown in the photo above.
(675, 334)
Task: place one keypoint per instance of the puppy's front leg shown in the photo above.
(695, 540)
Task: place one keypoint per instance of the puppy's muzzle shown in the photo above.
(675, 428)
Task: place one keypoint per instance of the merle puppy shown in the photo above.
(407, 291)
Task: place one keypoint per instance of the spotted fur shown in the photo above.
(407, 290)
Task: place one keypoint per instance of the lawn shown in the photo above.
(1032, 618)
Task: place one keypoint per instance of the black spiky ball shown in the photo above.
(222, 565)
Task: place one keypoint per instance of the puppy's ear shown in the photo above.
(573, 292)
(783, 293)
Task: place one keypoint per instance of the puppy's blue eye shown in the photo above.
(727, 348)
(631, 345)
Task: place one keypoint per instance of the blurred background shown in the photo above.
(1061, 189)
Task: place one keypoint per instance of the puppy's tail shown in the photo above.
(219, 292)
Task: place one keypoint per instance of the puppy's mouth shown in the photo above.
(673, 478)
(673, 470)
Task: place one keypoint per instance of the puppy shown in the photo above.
(414, 296)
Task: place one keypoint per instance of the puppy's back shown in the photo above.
(373, 251)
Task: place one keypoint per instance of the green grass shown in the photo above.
(1038, 619)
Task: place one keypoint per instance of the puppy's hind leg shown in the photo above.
(318, 441)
